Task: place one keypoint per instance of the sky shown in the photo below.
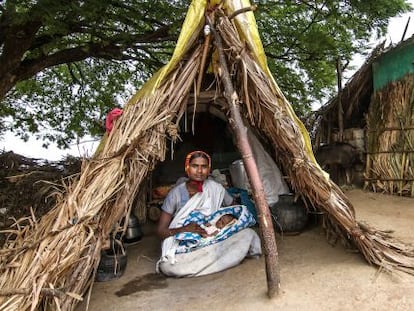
(33, 148)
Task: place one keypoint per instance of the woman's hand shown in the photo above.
(164, 231)
(194, 228)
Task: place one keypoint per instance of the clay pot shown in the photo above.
(112, 264)
(289, 216)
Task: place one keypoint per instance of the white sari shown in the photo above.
(212, 258)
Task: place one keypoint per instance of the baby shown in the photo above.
(214, 227)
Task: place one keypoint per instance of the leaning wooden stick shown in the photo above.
(240, 130)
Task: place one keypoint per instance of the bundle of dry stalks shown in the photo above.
(26, 185)
(267, 109)
(51, 263)
(390, 145)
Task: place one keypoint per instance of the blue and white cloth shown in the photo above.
(188, 241)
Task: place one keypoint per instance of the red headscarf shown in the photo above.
(187, 166)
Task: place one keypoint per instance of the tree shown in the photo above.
(65, 63)
(304, 39)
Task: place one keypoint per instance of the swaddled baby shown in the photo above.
(220, 225)
(215, 225)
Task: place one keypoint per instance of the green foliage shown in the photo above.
(65, 64)
(304, 40)
(85, 58)
(70, 101)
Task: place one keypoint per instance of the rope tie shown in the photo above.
(172, 131)
(278, 115)
(298, 163)
(357, 233)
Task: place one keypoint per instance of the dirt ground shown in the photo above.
(314, 275)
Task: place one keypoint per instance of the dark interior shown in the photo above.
(211, 134)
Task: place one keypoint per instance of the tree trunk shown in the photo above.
(16, 39)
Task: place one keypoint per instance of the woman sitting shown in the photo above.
(200, 235)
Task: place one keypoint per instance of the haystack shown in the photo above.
(51, 262)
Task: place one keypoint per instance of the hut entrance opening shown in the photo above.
(211, 134)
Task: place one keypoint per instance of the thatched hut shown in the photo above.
(51, 262)
(376, 112)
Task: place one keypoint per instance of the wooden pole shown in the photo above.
(263, 213)
(405, 29)
(340, 108)
(203, 63)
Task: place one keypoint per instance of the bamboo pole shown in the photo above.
(263, 213)
(340, 106)
(203, 63)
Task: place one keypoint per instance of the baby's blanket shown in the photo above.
(189, 241)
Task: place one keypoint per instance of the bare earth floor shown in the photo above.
(314, 275)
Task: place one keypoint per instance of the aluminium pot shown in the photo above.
(133, 231)
(238, 175)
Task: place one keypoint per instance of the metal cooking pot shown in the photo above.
(238, 175)
(133, 231)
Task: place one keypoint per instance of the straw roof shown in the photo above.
(355, 96)
(52, 261)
